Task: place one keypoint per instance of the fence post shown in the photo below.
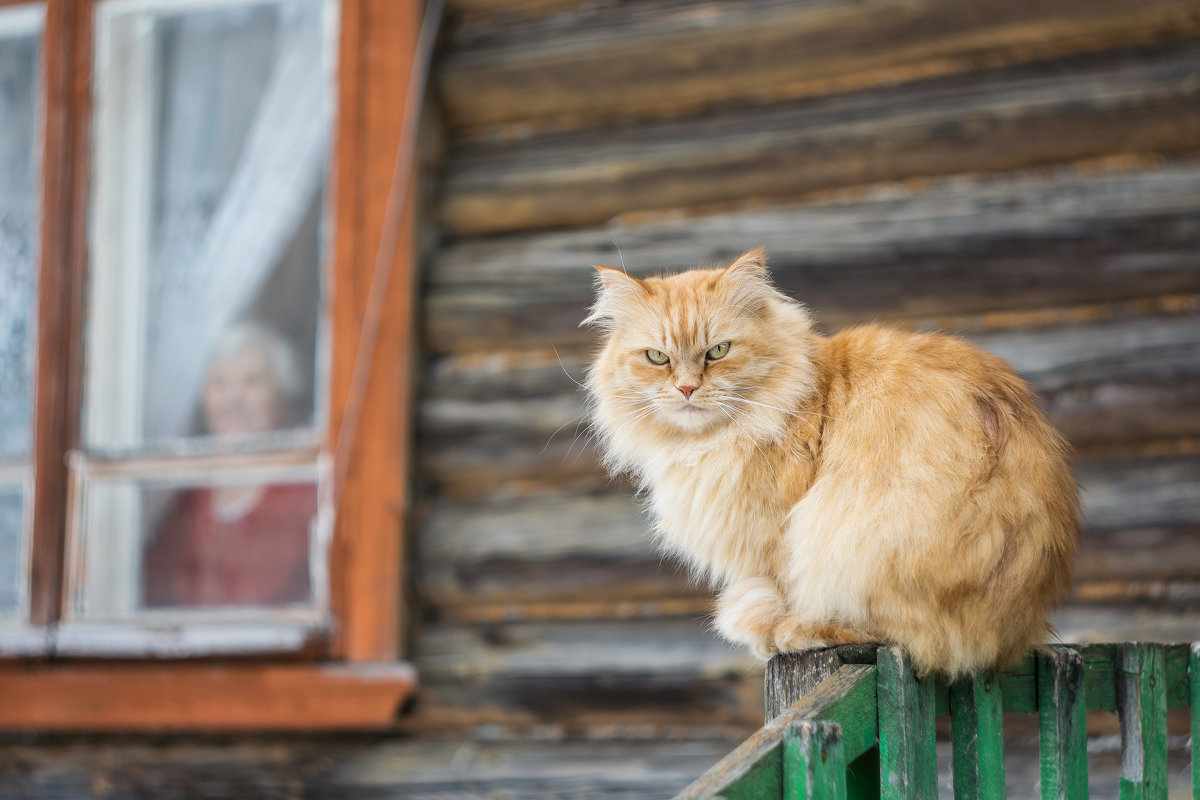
(814, 762)
(1063, 723)
(977, 731)
(1142, 705)
(907, 737)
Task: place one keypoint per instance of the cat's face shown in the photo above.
(693, 352)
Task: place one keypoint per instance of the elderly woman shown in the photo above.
(240, 544)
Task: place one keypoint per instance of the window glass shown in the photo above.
(20, 92)
(211, 137)
(238, 541)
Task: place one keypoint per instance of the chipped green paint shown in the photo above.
(1142, 697)
(814, 761)
(1062, 713)
(977, 732)
(907, 740)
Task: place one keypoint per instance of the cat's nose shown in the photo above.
(687, 391)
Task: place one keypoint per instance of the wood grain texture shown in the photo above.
(814, 762)
(1005, 119)
(790, 676)
(593, 62)
(907, 758)
(62, 249)
(378, 38)
(1142, 705)
(1061, 707)
(1031, 240)
(977, 732)
(148, 696)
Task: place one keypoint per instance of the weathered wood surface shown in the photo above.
(575, 547)
(1058, 112)
(1142, 698)
(977, 733)
(591, 62)
(582, 674)
(1062, 715)
(907, 737)
(1030, 241)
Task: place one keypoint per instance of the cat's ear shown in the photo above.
(615, 289)
(746, 281)
(749, 267)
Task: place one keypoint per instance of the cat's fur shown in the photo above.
(874, 486)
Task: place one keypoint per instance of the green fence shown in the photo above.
(866, 728)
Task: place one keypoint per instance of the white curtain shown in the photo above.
(226, 225)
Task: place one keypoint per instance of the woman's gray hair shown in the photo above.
(243, 336)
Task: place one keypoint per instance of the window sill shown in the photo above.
(203, 696)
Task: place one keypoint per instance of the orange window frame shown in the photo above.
(356, 681)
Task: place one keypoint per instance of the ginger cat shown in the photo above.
(875, 486)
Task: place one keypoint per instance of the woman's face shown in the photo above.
(241, 396)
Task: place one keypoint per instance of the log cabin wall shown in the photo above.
(1025, 174)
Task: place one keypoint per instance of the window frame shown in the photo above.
(351, 677)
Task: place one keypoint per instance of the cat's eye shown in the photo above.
(717, 352)
(657, 357)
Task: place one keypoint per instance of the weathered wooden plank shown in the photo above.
(977, 731)
(1142, 701)
(1194, 675)
(814, 762)
(790, 676)
(1061, 710)
(1031, 240)
(603, 61)
(851, 686)
(571, 547)
(1058, 112)
(907, 759)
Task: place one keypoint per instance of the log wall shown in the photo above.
(1024, 174)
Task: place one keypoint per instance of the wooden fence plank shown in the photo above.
(907, 758)
(1062, 714)
(1142, 697)
(623, 60)
(977, 731)
(1006, 119)
(814, 762)
(1194, 672)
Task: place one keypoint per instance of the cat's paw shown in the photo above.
(748, 613)
(794, 635)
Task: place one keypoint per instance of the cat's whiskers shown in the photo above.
(789, 413)
(777, 408)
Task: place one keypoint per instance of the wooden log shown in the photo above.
(605, 61)
(1061, 711)
(595, 547)
(1058, 112)
(1113, 382)
(977, 732)
(1030, 240)
(1142, 700)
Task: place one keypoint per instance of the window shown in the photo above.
(182, 281)
(20, 108)
(203, 403)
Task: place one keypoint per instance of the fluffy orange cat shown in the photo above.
(874, 486)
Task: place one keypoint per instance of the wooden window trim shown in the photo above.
(357, 681)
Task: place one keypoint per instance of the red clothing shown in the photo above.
(258, 558)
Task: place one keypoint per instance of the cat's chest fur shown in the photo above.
(721, 510)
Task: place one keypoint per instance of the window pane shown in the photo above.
(20, 53)
(12, 550)
(212, 131)
(244, 542)
(20, 118)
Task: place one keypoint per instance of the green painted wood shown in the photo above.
(1142, 695)
(1018, 685)
(862, 776)
(1194, 670)
(977, 733)
(907, 738)
(1062, 707)
(1179, 691)
(755, 769)
(814, 762)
